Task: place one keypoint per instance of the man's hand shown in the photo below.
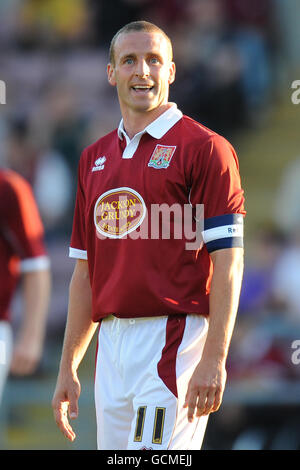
(26, 356)
(65, 402)
(205, 389)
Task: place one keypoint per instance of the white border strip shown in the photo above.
(226, 231)
(2, 352)
(75, 253)
(38, 263)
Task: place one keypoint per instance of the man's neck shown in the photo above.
(135, 122)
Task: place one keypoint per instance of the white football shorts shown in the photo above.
(6, 341)
(143, 367)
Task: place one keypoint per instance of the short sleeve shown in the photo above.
(21, 223)
(216, 184)
(77, 247)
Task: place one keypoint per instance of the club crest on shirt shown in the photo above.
(162, 155)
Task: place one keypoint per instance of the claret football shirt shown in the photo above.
(148, 213)
(22, 246)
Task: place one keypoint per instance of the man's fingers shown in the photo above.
(61, 419)
(193, 398)
(73, 401)
(205, 392)
(205, 401)
(218, 399)
(73, 409)
(201, 401)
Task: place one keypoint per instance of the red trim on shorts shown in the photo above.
(166, 367)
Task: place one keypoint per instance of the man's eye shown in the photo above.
(154, 60)
(129, 61)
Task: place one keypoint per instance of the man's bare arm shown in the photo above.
(28, 349)
(206, 387)
(78, 334)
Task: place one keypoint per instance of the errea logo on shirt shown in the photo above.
(99, 164)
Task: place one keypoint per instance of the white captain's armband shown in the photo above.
(224, 231)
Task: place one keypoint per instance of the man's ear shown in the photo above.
(172, 73)
(111, 75)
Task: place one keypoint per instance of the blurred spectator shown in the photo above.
(167, 14)
(262, 255)
(108, 17)
(286, 278)
(286, 209)
(53, 189)
(210, 86)
(286, 212)
(63, 123)
(230, 65)
(9, 11)
(52, 23)
(269, 313)
(47, 172)
(21, 154)
(256, 14)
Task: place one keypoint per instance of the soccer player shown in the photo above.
(165, 313)
(23, 256)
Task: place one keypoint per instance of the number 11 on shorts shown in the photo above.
(158, 425)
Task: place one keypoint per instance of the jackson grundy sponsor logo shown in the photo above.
(122, 212)
(119, 212)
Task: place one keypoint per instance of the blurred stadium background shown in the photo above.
(236, 62)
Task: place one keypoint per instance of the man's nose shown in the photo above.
(142, 69)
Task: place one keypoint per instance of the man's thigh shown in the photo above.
(160, 421)
(113, 411)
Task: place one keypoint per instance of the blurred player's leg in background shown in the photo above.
(6, 342)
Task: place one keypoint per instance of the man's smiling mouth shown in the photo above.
(142, 88)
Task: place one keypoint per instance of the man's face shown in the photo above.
(142, 71)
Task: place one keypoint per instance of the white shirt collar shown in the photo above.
(159, 127)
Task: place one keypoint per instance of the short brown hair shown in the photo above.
(134, 26)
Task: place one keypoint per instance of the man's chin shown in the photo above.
(145, 107)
